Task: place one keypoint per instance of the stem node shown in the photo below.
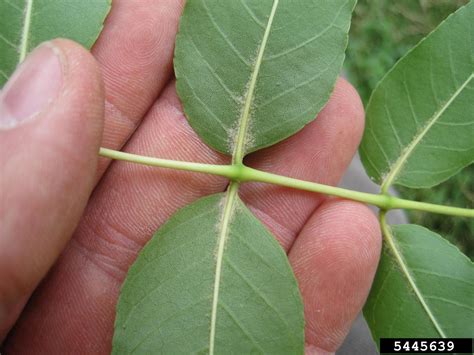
(389, 202)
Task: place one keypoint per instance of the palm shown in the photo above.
(333, 245)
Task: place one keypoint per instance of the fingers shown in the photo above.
(51, 119)
(128, 206)
(321, 152)
(135, 51)
(334, 259)
(152, 195)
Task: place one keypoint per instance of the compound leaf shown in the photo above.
(420, 119)
(251, 73)
(211, 280)
(423, 288)
(27, 23)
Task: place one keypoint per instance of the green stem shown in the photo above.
(384, 202)
(242, 173)
(227, 171)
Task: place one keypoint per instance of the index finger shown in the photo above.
(135, 52)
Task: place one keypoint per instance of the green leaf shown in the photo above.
(420, 119)
(424, 288)
(211, 280)
(27, 23)
(251, 73)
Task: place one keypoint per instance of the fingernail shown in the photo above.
(33, 86)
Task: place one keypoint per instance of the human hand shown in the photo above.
(50, 167)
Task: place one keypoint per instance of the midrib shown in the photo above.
(239, 149)
(25, 36)
(404, 268)
(230, 198)
(233, 190)
(398, 166)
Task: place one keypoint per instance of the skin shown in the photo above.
(67, 246)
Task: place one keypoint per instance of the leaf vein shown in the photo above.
(312, 39)
(171, 230)
(275, 126)
(252, 15)
(432, 87)
(296, 87)
(175, 276)
(392, 244)
(399, 164)
(214, 73)
(9, 43)
(239, 150)
(449, 149)
(410, 102)
(224, 36)
(430, 171)
(256, 290)
(381, 148)
(367, 155)
(13, 5)
(227, 214)
(451, 66)
(432, 273)
(445, 300)
(380, 291)
(25, 37)
(237, 322)
(454, 124)
(203, 104)
(250, 247)
(390, 121)
(398, 313)
(173, 316)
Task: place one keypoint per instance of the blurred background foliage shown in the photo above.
(382, 32)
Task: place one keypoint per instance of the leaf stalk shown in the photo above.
(241, 173)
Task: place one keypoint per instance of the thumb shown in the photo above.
(51, 118)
